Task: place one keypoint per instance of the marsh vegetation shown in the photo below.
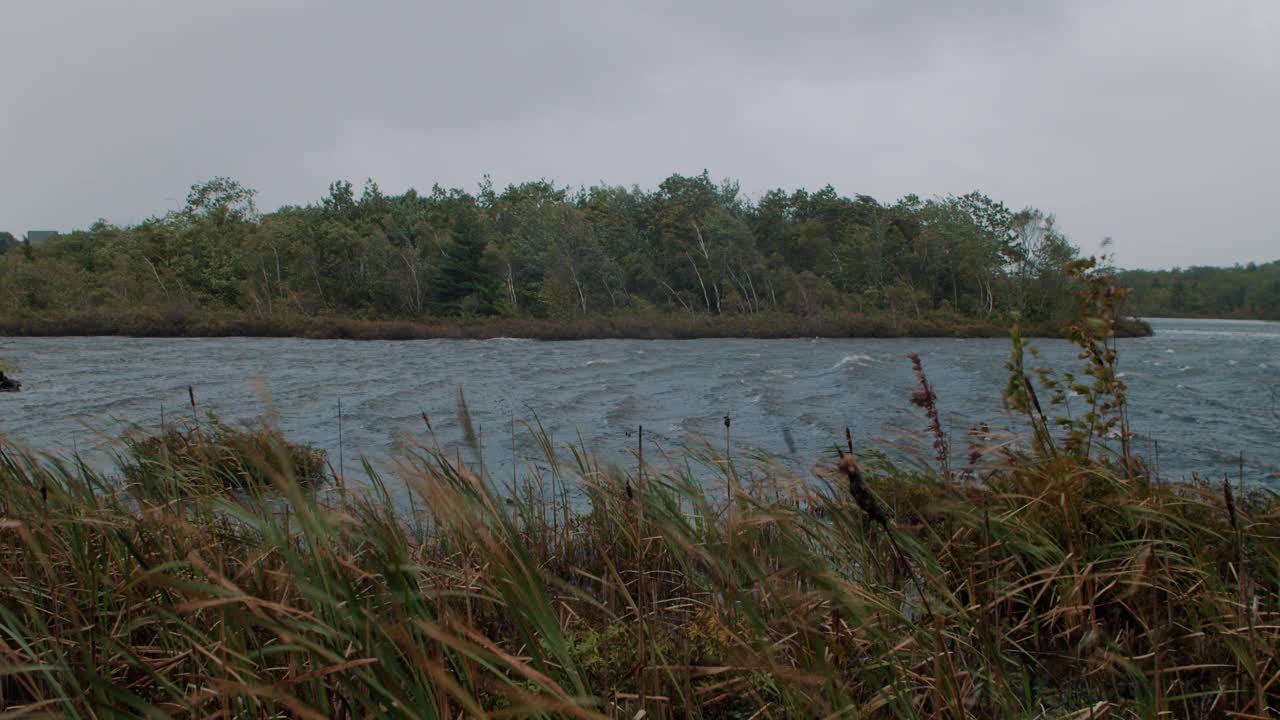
(1050, 575)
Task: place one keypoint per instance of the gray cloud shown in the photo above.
(1150, 121)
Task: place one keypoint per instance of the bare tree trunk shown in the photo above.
(276, 252)
(613, 293)
(706, 256)
(510, 282)
(315, 274)
(416, 303)
(156, 273)
(705, 297)
(582, 298)
(675, 295)
(266, 284)
(746, 295)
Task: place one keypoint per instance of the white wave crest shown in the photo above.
(858, 359)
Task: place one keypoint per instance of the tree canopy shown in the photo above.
(692, 245)
(1244, 291)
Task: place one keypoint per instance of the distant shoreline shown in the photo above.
(663, 327)
(1226, 318)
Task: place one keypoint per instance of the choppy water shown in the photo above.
(1204, 390)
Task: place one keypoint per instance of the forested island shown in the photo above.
(1245, 292)
(692, 258)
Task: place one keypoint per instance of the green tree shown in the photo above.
(461, 284)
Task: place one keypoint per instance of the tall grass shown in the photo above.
(1045, 582)
(1052, 586)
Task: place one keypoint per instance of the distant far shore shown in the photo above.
(1232, 318)
(657, 327)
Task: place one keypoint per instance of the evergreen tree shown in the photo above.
(461, 283)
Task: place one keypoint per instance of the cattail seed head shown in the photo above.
(848, 465)
(1031, 392)
(1231, 503)
(858, 490)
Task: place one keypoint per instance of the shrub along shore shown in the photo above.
(653, 327)
(1045, 576)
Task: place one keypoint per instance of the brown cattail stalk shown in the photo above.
(1242, 582)
(342, 466)
(867, 502)
(728, 457)
(641, 584)
(1041, 430)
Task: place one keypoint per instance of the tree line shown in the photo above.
(693, 245)
(1244, 291)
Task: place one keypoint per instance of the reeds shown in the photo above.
(1057, 584)
(213, 454)
(926, 399)
(1049, 589)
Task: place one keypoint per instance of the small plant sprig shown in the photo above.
(1099, 301)
(1020, 394)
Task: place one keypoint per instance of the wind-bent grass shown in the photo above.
(1057, 581)
(1047, 587)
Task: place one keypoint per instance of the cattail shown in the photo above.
(640, 461)
(867, 502)
(1031, 393)
(858, 490)
(1231, 503)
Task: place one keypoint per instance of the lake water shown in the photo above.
(1204, 391)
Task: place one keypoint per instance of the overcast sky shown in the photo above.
(1154, 122)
